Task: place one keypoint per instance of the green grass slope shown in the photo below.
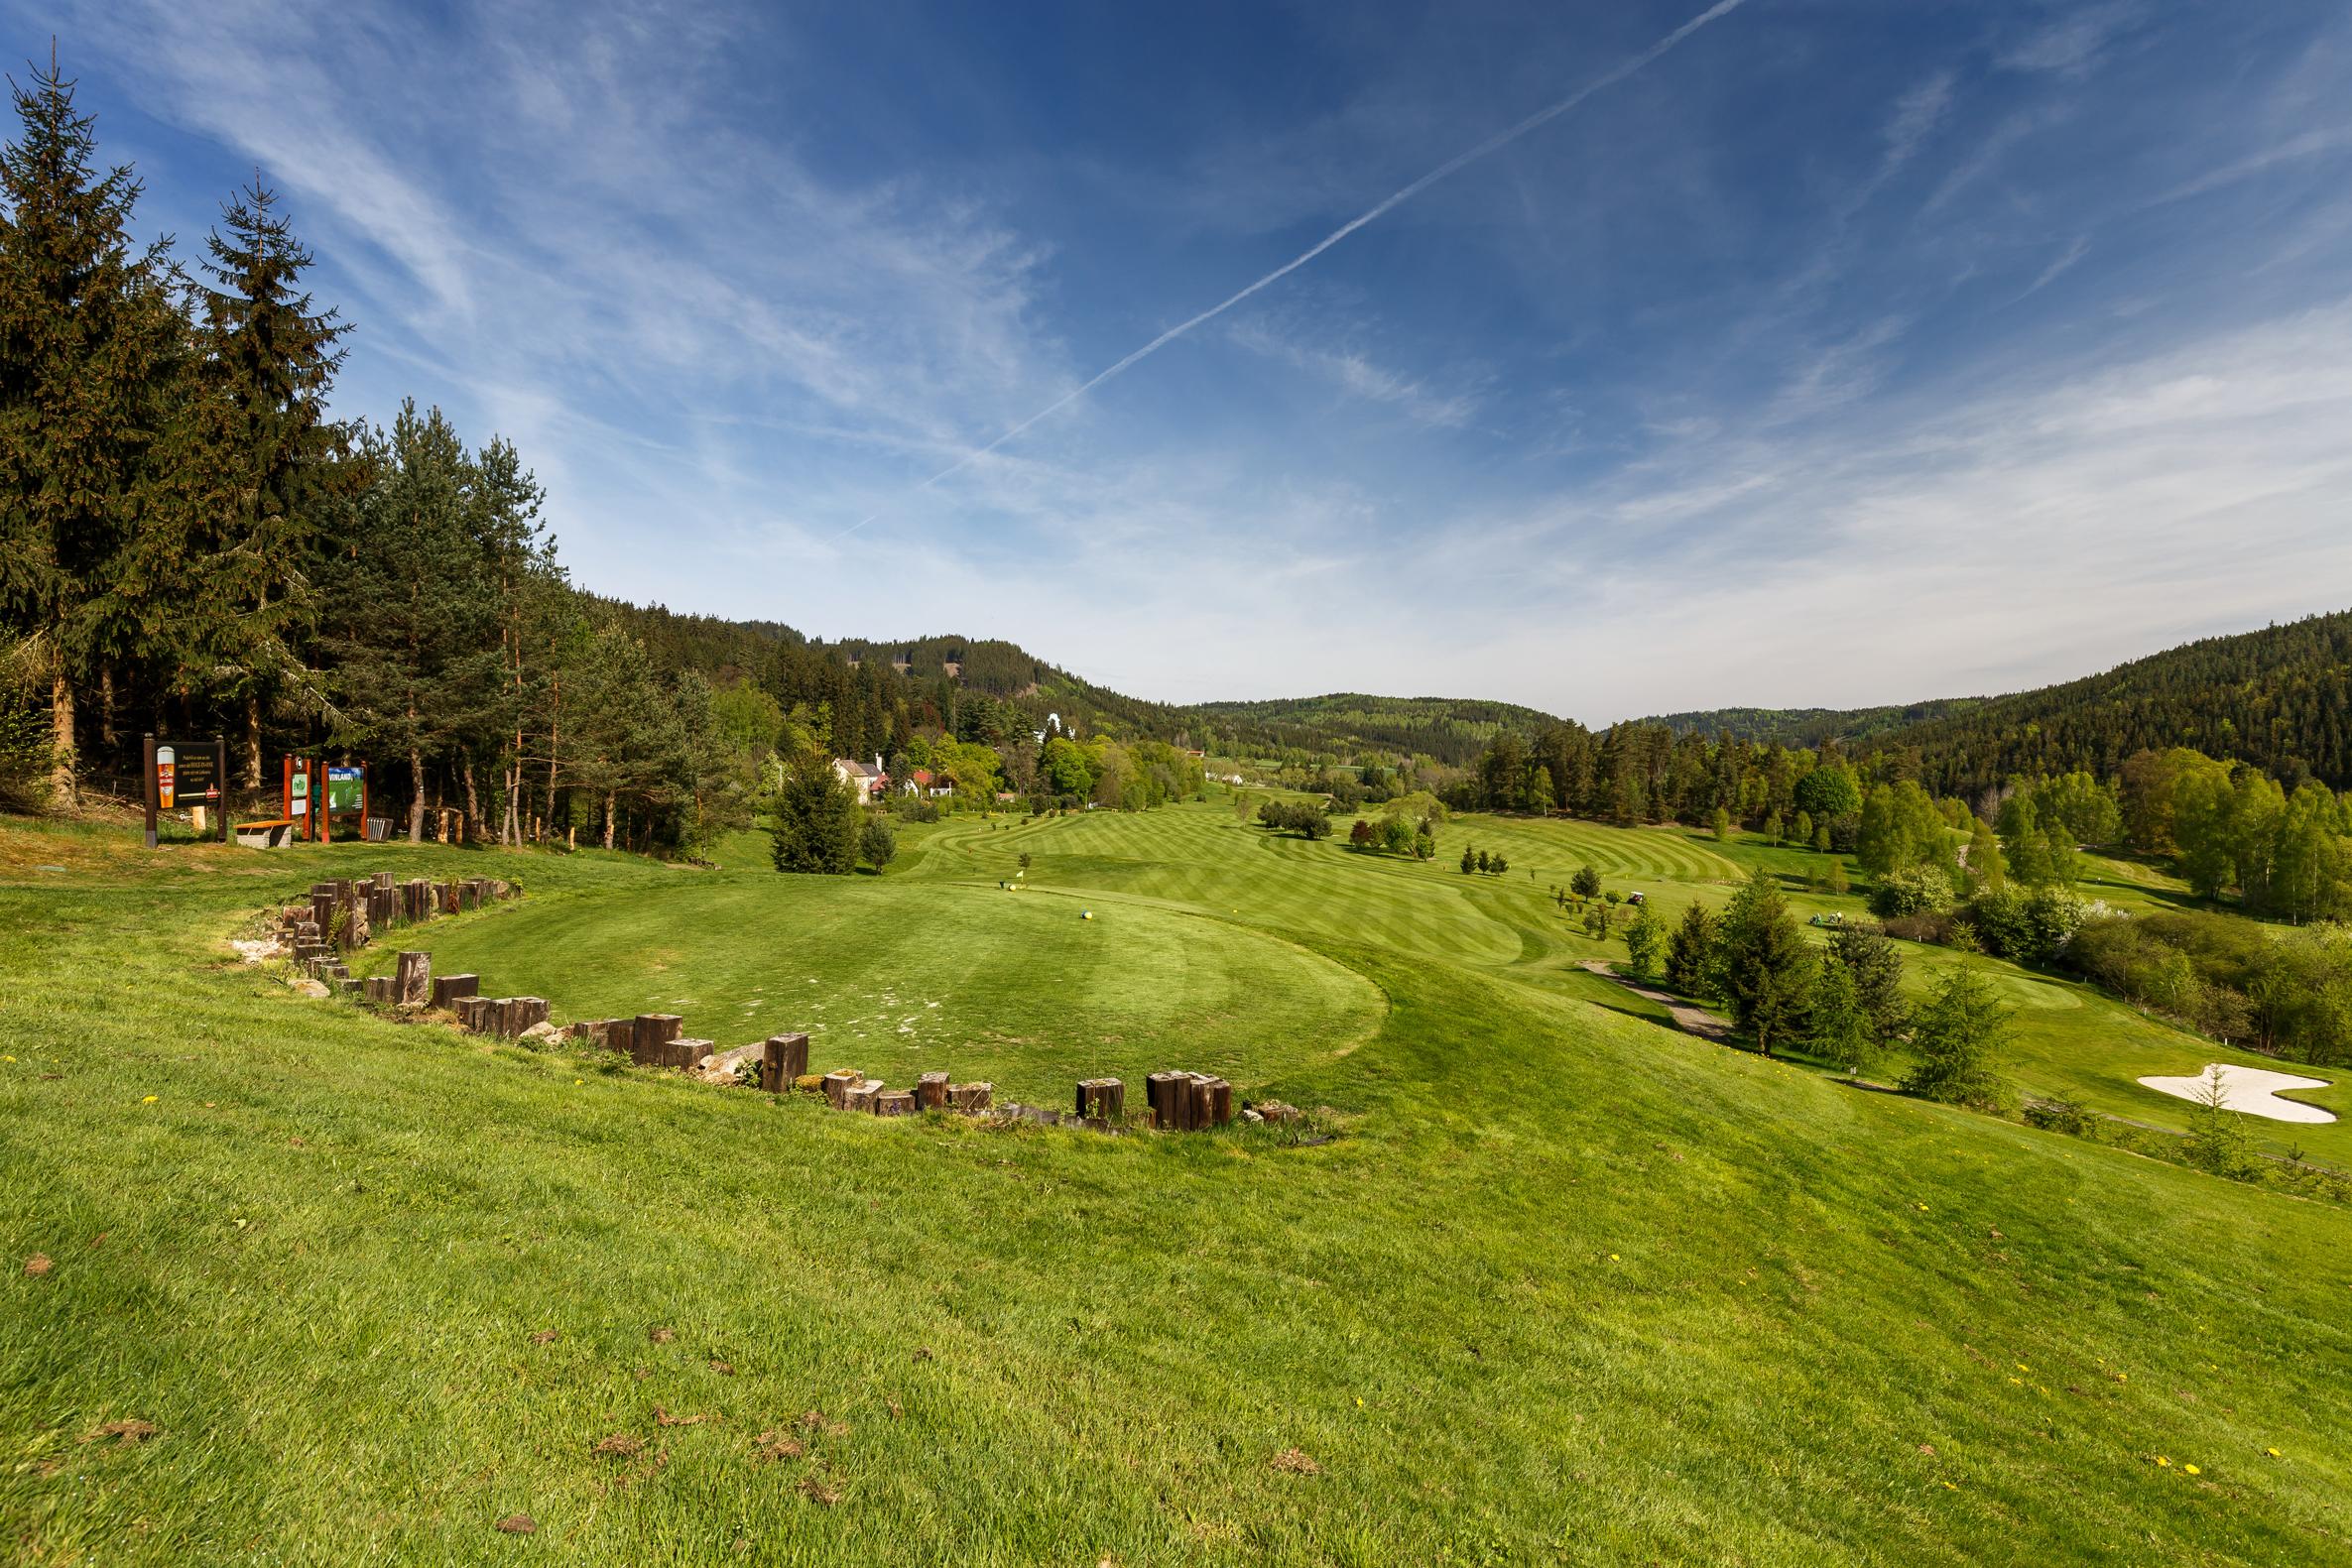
(1569, 1288)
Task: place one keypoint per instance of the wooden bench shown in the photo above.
(264, 835)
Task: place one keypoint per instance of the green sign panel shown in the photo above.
(345, 789)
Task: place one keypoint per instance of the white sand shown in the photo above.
(2252, 1090)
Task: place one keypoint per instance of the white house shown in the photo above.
(860, 778)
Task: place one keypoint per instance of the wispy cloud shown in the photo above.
(1354, 373)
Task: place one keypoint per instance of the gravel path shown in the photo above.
(1687, 1018)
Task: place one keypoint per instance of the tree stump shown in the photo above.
(864, 1095)
(970, 1098)
(522, 1013)
(379, 988)
(446, 989)
(1105, 1098)
(784, 1059)
(838, 1085)
(931, 1092)
(895, 1102)
(413, 979)
(687, 1053)
(650, 1032)
(348, 985)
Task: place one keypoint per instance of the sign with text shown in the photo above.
(346, 788)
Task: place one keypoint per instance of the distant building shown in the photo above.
(865, 780)
(926, 783)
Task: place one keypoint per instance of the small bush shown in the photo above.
(2061, 1116)
(1934, 928)
(1917, 890)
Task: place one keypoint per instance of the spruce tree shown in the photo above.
(89, 342)
(1764, 964)
(1690, 952)
(815, 817)
(1957, 1043)
(272, 458)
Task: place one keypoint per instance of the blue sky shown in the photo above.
(1837, 353)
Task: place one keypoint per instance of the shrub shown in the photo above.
(2061, 1116)
(1937, 930)
(1915, 890)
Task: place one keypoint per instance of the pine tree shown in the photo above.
(1956, 1041)
(1690, 952)
(1838, 1030)
(1987, 871)
(270, 456)
(89, 343)
(1763, 962)
(815, 817)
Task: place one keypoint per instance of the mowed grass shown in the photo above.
(1570, 1288)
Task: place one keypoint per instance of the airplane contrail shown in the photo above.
(1495, 143)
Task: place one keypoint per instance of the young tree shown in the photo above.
(815, 817)
(1876, 967)
(1690, 952)
(1957, 1040)
(1987, 871)
(876, 845)
(1722, 826)
(1838, 1030)
(1645, 940)
(1586, 884)
(1764, 964)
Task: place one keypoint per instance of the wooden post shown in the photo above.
(838, 1085)
(651, 1033)
(1220, 1102)
(931, 1092)
(784, 1060)
(895, 1102)
(688, 1052)
(414, 979)
(471, 1011)
(147, 755)
(863, 1095)
(971, 1098)
(446, 989)
(1105, 1098)
(379, 988)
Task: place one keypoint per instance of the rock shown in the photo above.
(257, 951)
(1252, 1117)
(310, 988)
(540, 1030)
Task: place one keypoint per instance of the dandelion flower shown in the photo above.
(1612, 1257)
(2192, 1470)
(2163, 1462)
(2273, 1452)
(149, 1100)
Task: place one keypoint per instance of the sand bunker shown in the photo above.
(2252, 1090)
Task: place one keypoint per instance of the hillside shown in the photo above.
(1450, 729)
(2280, 697)
(1808, 727)
(1565, 1286)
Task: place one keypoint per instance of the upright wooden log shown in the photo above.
(838, 1085)
(446, 989)
(1220, 1102)
(784, 1059)
(688, 1052)
(863, 1095)
(413, 979)
(895, 1102)
(522, 1013)
(379, 988)
(651, 1033)
(931, 1092)
(348, 985)
(1105, 1098)
(971, 1098)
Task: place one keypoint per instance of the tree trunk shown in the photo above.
(608, 820)
(61, 714)
(474, 811)
(415, 798)
(106, 708)
(253, 740)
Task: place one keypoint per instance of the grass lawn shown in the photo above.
(1570, 1287)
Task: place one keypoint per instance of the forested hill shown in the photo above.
(1449, 729)
(1808, 726)
(2277, 698)
(2280, 698)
